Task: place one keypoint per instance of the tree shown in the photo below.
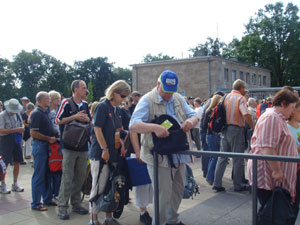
(272, 41)
(90, 97)
(123, 74)
(8, 88)
(210, 48)
(159, 57)
(96, 70)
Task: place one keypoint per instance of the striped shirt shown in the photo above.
(236, 108)
(271, 131)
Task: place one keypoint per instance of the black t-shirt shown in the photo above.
(109, 119)
(132, 108)
(40, 122)
(64, 111)
(26, 134)
(125, 114)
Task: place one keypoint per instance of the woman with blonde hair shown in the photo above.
(212, 139)
(107, 147)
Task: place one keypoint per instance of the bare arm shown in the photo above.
(11, 131)
(141, 127)
(275, 165)
(189, 123)
(249, 120)
(102, 143)
(37, 135)
(134, 139)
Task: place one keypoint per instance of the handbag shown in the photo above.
(75, 133)
(278, 209)
(109, 200)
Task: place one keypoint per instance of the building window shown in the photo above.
(226, 78)
(248, 78)
(233, 75)
(254, 78)
(241, 75)
(259, 80)
(264, 81)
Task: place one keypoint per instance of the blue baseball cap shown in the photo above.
(169, 81)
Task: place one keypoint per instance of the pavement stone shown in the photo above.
(208, 208)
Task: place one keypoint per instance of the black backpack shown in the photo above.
(175, 142)
(217, 121)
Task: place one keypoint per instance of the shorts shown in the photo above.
(10, 151)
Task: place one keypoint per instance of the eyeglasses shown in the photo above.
(123, 96)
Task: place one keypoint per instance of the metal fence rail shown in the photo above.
(221, 154)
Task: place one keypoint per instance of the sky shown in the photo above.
(123, 31)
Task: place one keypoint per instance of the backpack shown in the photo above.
(87, 185)
(175, 142)
(75, 133)
(217, 121)
(55, 157)
(191, 187)
(110, 200)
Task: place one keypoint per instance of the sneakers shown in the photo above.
(95, 222)
(218, 189)
(111, 222)
(4, 189)
(146, 218)
(80, 210)
(63, 214)
(15, 187)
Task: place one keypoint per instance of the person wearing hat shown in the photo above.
(163, 99)
(135, 99)
(11, 129)
(24, 101)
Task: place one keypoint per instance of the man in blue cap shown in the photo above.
(163, 99)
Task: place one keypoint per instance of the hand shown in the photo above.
(138, 157)
(160, 131)
(277, 175)
(19, 130)
(82, 117)
(123, 152)
(187, 125)
(105, 155)
(52, 140)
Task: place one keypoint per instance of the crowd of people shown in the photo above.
(269, 127)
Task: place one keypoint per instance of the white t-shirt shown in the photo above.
(199, 112)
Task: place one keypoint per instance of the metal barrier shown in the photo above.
(221, 154)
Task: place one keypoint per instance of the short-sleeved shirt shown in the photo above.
(40, 121)
(52, 117)
(296, 133)
(64, 111)
(141, 114)
(271, 131)
(8, 121)
(108, 118)
(236, 108)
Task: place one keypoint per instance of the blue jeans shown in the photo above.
(40, 182)
(204, 159)
(213, 141)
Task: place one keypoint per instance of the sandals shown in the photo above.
(39, 208)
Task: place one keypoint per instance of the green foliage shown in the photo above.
(159, 57)
(123, 74)
(90, 97)
(7, 80)
(210, 48)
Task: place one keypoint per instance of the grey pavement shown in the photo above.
(208, 208)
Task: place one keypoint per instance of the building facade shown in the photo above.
(200, 76)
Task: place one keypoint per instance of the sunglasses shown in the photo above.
(123, 96)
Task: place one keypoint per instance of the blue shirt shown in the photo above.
(141, 114)
(296, 134)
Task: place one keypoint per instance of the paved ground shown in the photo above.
(208, 208)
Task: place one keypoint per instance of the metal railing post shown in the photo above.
(155, 185)
(254, 192)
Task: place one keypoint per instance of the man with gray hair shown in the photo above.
(11, 129)
(42, 132)
(252, 108)
(233, 136)
(75, 160)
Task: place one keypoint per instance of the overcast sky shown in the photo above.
(124, 31)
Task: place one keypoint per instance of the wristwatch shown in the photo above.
(105, 148)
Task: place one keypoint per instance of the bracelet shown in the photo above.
(105, 148)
